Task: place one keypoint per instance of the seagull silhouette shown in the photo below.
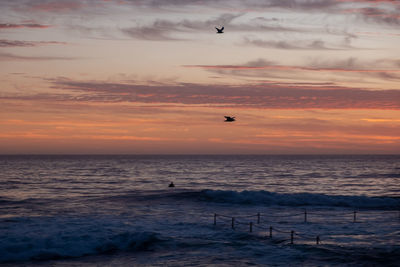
(229, 119)
(220, 30)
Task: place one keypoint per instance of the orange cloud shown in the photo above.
(381, 120)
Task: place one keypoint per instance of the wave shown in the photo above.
(377, 175)
(61, 244)
(262, 197)
(297, 199)
(266, 198)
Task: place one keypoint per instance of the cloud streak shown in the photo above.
(383, 69)
(288, 67)
(162, 29)
(310, 45)
(166, 29)
(13, 57)
(378, 15)
(237, 5)
(263, 96)
(17, 43)
(19, 26)
(56, 6)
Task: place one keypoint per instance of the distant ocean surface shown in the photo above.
(119, 211)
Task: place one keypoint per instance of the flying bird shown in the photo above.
(229, 119)
(220, 30)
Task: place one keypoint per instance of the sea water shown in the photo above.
(224, 210)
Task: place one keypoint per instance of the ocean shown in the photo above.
(225, 210)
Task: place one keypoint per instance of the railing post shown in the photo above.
(258, 218)
(233, 223)
(318, 240)
(215, 219)
(355, 217)
(251, 227)
(305, 215)
(270, 232)
(291, 237)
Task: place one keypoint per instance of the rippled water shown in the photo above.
(118, 210)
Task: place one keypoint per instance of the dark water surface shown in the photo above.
(118, 210)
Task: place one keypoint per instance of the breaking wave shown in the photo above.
(266, 198)
(69, 241)
(297, 199)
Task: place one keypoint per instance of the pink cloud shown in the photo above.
(288, 67)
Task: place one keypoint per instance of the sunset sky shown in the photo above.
(153, 77)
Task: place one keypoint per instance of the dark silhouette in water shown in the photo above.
(229, 119)
(220, 30)
(171, 184)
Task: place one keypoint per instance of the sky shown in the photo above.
(153, 77)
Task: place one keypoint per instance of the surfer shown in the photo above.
(171, 184)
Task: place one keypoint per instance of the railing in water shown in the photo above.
(235, 220)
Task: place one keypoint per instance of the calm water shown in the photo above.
(118, 210)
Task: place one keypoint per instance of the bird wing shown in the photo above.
(222, 28)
